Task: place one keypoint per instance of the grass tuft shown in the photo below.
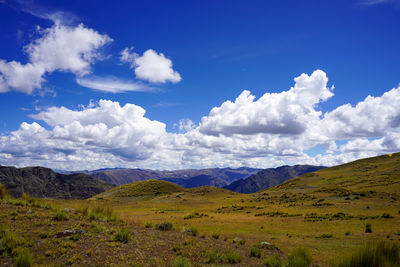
(122, 236)
(165, 226)
(24, 258)
(299, 257)
(272, 261)
(8, 242)
(255, 252)
(3, 191)
(382, 253)
(181, 262)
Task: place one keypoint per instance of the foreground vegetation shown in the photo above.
(332, 217)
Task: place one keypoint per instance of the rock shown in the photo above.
(238, 240)
(69, 233)
(269, 246)
(29, 211)
(68, 210)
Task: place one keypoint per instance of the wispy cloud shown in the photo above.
(113, 84)
(377, 2)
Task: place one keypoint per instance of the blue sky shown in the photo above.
(184, 58)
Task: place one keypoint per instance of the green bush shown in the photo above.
(122, 236)
(299, 257)
(255, 252)
(368, 228)
(24, 258)
(181, 262)
(272, 261)
(165, 226)
(148, 224)
(380, 254)
(231, 257)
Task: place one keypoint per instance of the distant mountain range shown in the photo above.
(270, 177)
(45, 183)
(218, 177)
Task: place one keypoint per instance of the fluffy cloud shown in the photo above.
(151, 66)
(60, 48)
(274, 130)
(112, 84)
(289, 112)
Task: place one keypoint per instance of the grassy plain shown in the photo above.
(326, 212)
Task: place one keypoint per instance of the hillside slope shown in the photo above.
(367, 176)
(269, 178)
(196, 181)
(45, 183)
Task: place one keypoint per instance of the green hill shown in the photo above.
(370, 176)
(142, 188)
(45, 183)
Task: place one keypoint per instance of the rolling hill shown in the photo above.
(45, 183)
(269, 178)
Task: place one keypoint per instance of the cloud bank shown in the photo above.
(273, 130)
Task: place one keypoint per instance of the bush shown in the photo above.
(231, 257)
(8, 242)
(165, 226)
(148, 224)
(181, 262)
(122, 236)
(368, 228)
(380, 254)
(387, 216)
(216, 236)
(24, 258)
(324, 236)
(299, 257)
(194, 231)
(3, 191)
(255, 252)
(272, 261)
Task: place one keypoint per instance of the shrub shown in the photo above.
(165, 226)
(387, 215)
(255, 252)
(368, 228)
(122, 236)
(3, 191)
(272, 261)
(231, 257)
(324, 236)
(194, 231)
(148, 224)
(216, 236)
(8, 242)
(347, 233)
(24, 258)
(299, 257)
(181, 262)
(382, 253)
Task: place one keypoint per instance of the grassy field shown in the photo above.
(326, 212)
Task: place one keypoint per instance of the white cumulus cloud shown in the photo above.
(60, 48)
(151, 66)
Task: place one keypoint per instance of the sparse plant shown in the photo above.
(347, 233)
(101, 212)
(194, 231)
(299, 257)
(165, 226)
(24, 258)
(181, 262)
(8, 242)
(215, 236)
(368, 228)
(148, 224)
(255, 252)
(324, 236)
(122, 236)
